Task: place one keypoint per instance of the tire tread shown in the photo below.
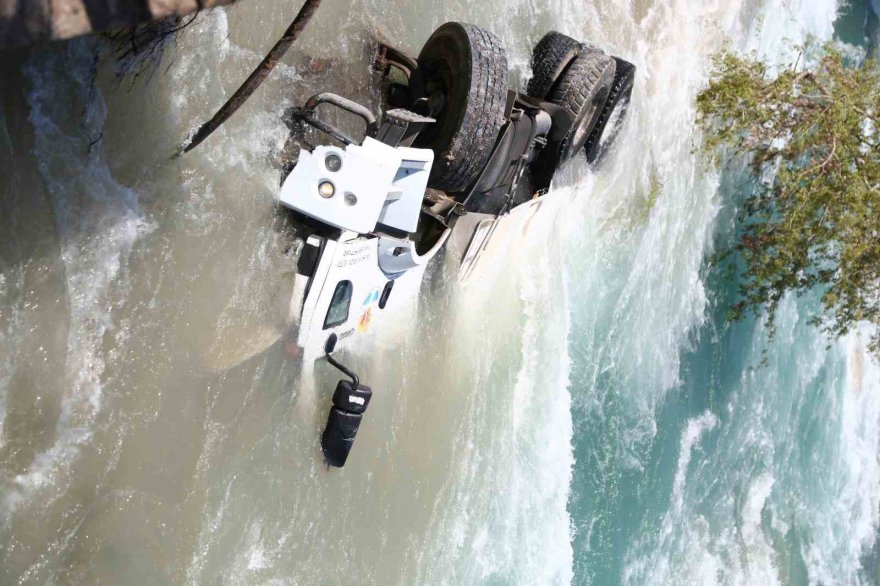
(550, 57)
(459, 166)
(584, 77)
(620, 92)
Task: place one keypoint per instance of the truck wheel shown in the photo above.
(582, 92)
(613, 113)
(553, 53)
(463, 74)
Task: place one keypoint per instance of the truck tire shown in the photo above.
(614, 112)
(553, 53)
(468, 65)
(582, 92)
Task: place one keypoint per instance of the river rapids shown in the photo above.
(579, 413)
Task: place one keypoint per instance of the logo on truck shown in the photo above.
(366, 317)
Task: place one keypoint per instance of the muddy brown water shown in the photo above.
(135, 448)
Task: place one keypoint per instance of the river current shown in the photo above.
(579, 413)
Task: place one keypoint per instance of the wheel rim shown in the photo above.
(584, 125)
(441, 83)
(438, 85)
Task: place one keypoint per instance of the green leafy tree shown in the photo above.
(812, 141)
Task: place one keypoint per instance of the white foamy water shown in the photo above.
(98, 221)
(785, 493)
(767, 501)
(502, 515)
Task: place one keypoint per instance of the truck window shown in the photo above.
(338, 311)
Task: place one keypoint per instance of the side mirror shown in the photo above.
(350, 401)
(349, 405)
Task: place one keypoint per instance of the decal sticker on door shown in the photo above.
(366, 317)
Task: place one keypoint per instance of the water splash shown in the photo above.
(98, 221)
(601, 340)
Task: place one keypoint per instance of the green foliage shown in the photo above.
(814, 221)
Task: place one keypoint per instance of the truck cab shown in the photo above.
(367, 202)
(457, 150)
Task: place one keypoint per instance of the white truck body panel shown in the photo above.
(363, 268)
(376, 182)
(398, 255)
(474, 235)
(348, 265)
(404, 202)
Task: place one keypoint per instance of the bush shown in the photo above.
(812, 142)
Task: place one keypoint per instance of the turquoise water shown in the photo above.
(578, 413)
(705, 452)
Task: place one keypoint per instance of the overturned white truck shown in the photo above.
(456, 151)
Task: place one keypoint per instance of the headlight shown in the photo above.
(326, 189)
